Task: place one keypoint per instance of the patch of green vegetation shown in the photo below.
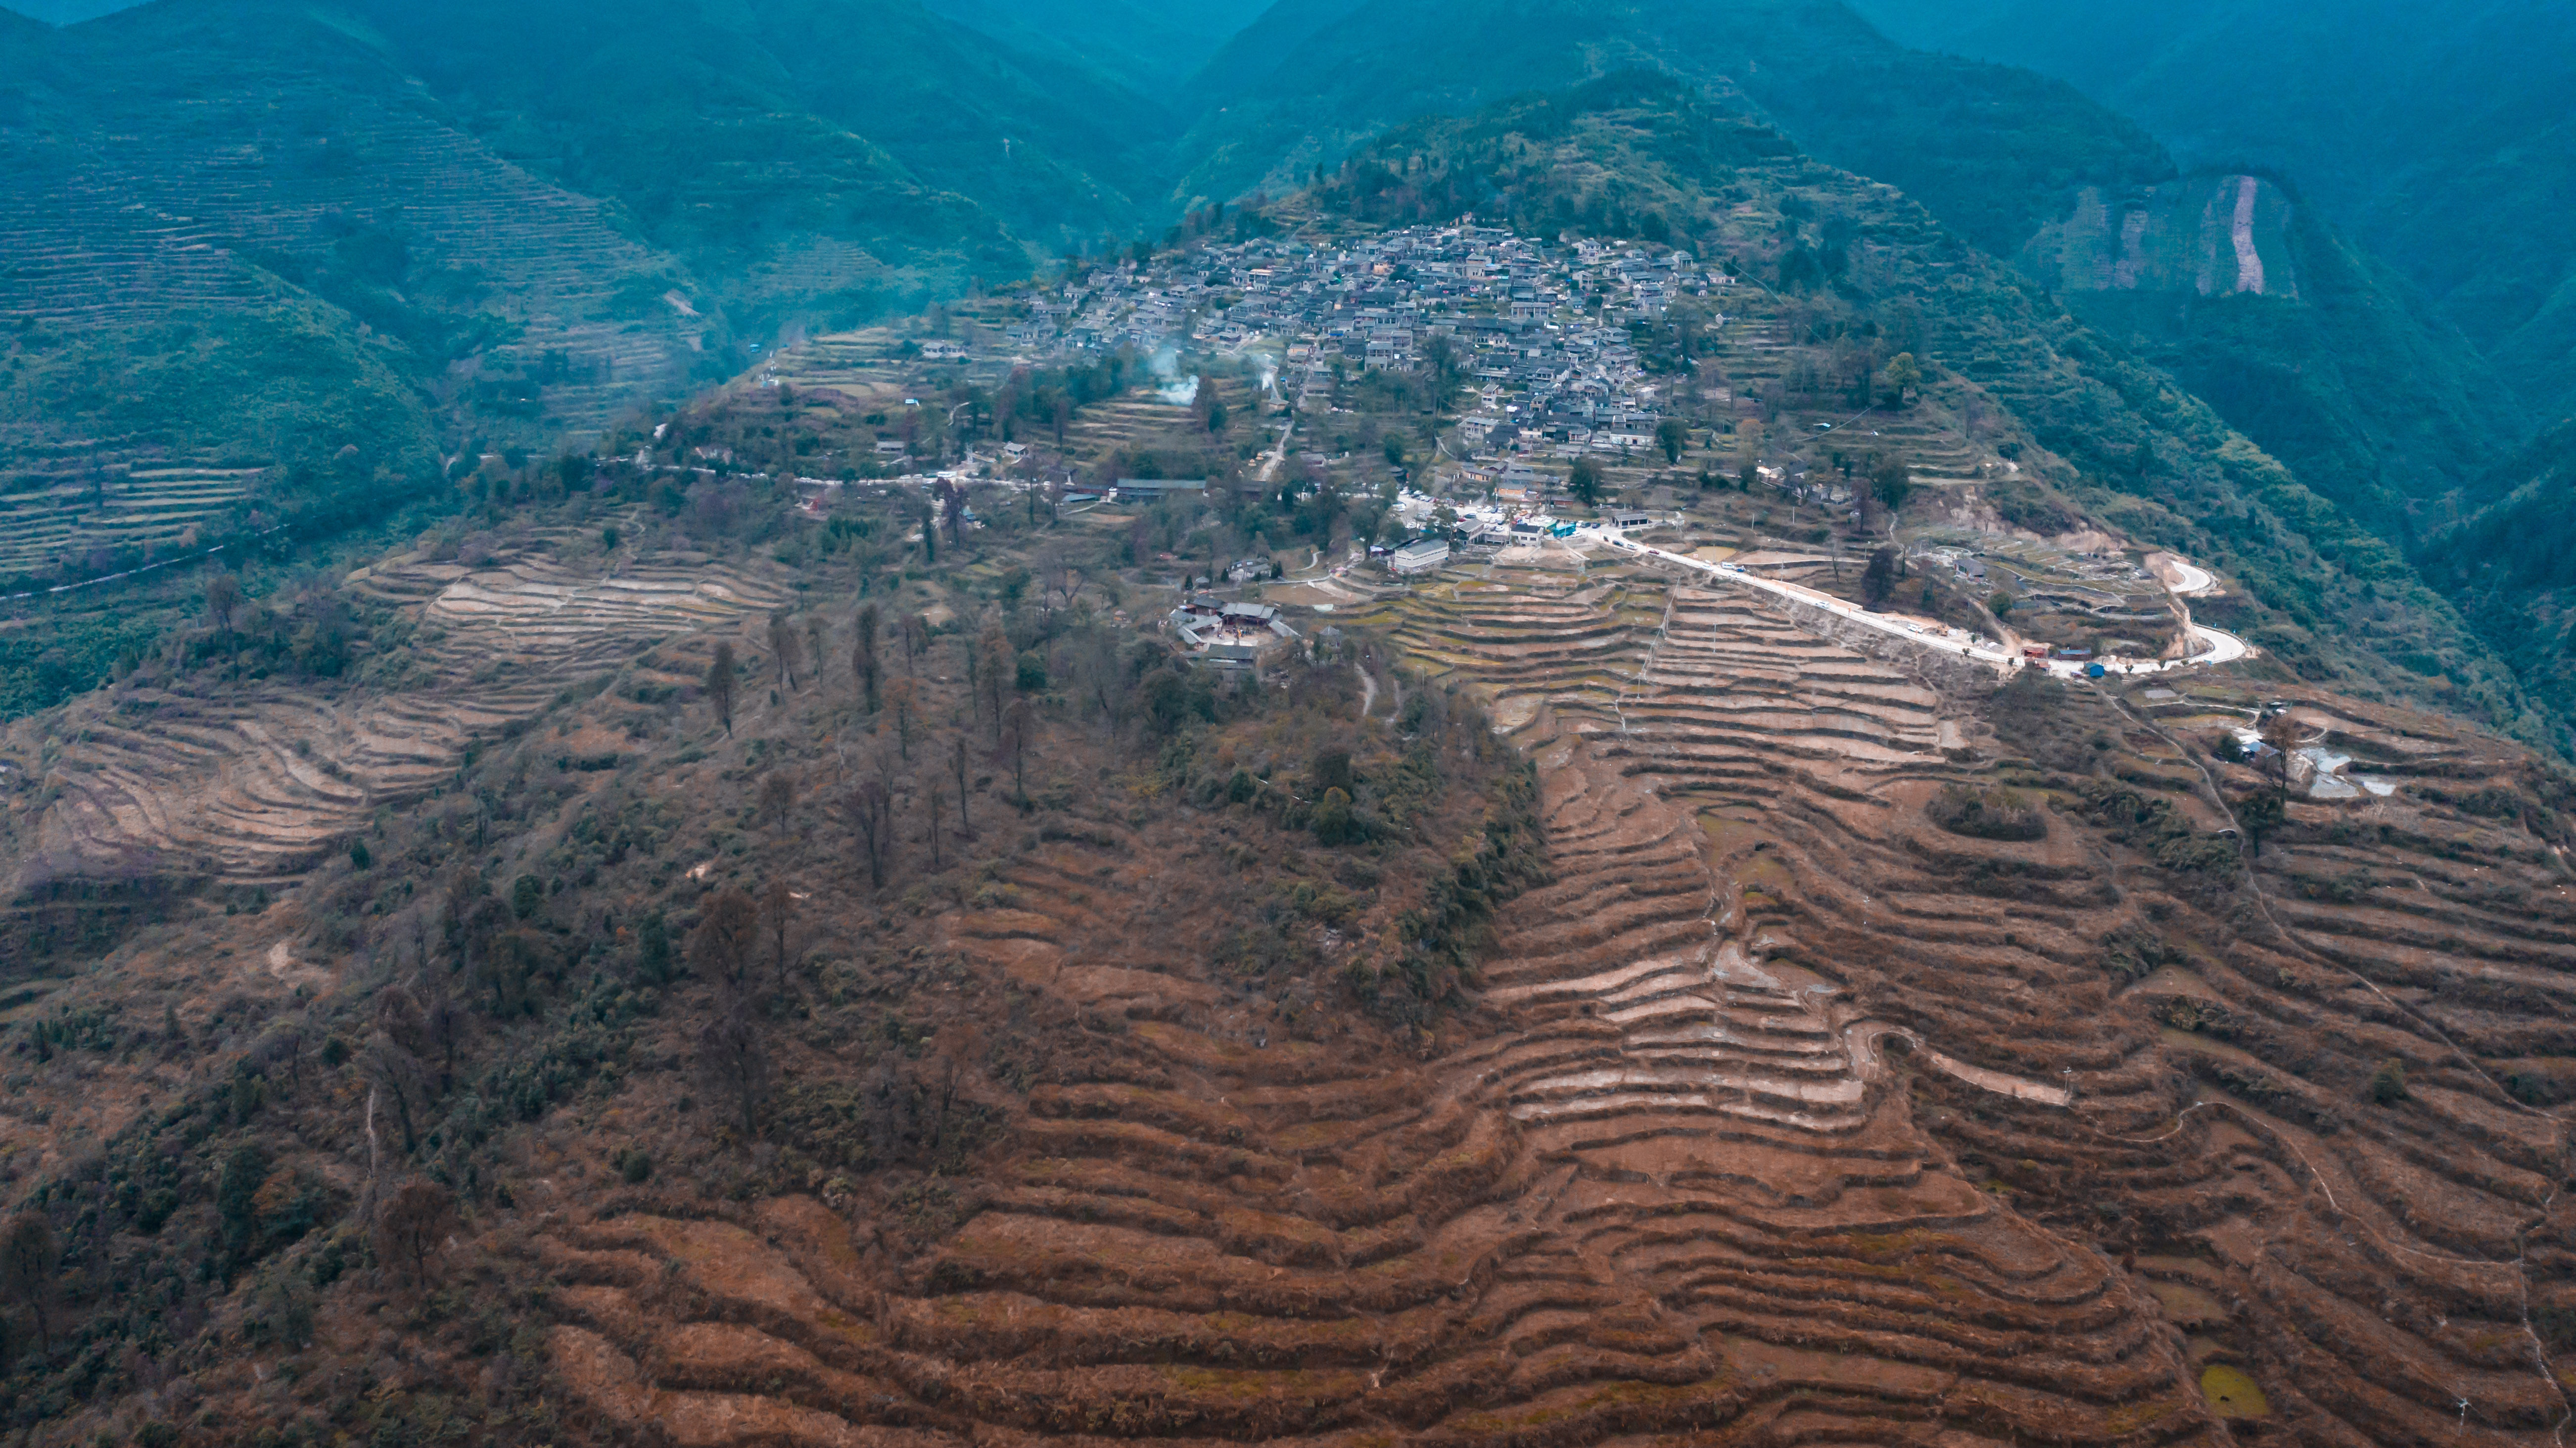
(2231, 1393)
(291, 385)
(1986, 814)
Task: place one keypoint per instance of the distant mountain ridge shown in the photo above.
(2441, 139)
(1989, 149)
(64, 12)
(2236, 286)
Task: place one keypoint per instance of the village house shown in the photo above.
(1422, 555)
(1227, 635)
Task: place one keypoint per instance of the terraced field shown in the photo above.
(57, 515)
(249, 784)
(1782, 1115)
(115, 228)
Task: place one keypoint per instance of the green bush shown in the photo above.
(1986, 814)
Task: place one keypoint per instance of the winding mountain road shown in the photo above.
(2219, 647)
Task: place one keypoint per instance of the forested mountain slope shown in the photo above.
(2512, 567)
(2443, 142)
(2238, 287)
(1146, 46)
(1990, 150)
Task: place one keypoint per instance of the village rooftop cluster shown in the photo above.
(1539, 334)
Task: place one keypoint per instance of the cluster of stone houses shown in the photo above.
(1539, 331)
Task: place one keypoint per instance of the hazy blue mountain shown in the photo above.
(1990, 149)
(2441, 139)
(1137, 43)
(66, 12)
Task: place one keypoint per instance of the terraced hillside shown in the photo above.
(114, 223)
(1783, 1112)
(76, 506)
(250, 785)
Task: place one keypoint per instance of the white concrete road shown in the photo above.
(2183, 580)
(2219, 647)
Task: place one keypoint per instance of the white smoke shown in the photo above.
(1177, 390)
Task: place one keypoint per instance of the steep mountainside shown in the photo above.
(2444, 148)
(2311, 349)
(255, 257)
(2512, 566)
(750, 139)
(2015, 163)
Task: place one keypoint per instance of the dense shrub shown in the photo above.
(1986, 814)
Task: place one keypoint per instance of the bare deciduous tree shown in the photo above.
(901, 696)
(396, 1073)
(777, 797)
(871, 808)
(721, 945)
(411, 1228)
(2281, 733)
(783, 648)
(1019, 723)
(720, 684)
(223, 598)
(734, 1059)
(863, 654)
(778, 912)
(996, 650)
(29, 1257)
